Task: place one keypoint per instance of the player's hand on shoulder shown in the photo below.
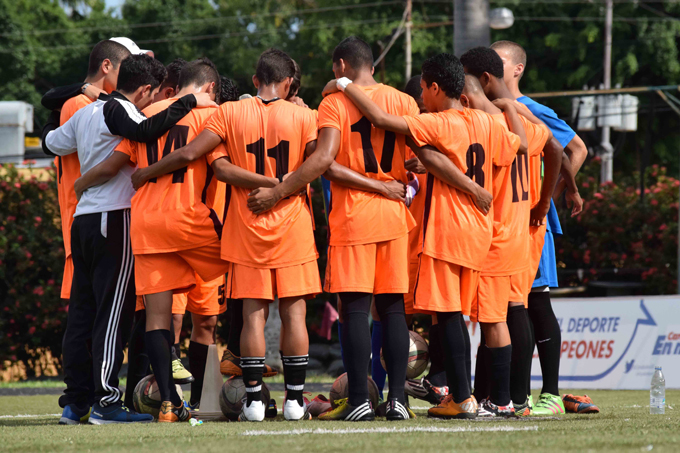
(394, 190)
(538, 213)
(503, 104)
(262, 199)
(482, 198)
(414, 165)
(330, 88)
(298, 101)
(575, 202)
(203, 100)
(93, 92)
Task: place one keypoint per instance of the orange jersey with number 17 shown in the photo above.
(358, 217)
(268, 138)
(509, 253)
(454, 229)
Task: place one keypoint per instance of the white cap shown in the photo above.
(245, 96)
(131, 46)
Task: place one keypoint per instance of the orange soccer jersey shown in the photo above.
(269, 138)
(358, 217)
(68, 170)
(509, 253)
(414, 240)
(454, 229)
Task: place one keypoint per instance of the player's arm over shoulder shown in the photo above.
(376, 115)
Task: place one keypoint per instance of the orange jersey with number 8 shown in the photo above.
(268, 138)
(358, 217)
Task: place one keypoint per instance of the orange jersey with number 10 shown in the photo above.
(509, 253)
(169, 213)
(358, 217)
(268, 138)
(454, 229)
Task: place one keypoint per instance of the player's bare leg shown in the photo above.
(202, 336)
(253, 349)
(295, 356)
(179, 374)
(158, 342)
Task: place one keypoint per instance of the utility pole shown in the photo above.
(407, 46)
(607, 169)
(470, 25)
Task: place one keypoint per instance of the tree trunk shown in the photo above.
(470, 25)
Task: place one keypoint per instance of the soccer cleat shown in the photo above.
(180, 374)
(394, 410)
(318, 405)
(230, 365)
(192, 407)
(530, 401)
(579, 404)
(116, 413)
(253, 412)
(74, 415)
(522, 410)
(360, 413)
(292, 411)
(548, 404)
(271, 411)
(422, 389)
(170, 413)
(489, 410)
(450, 409)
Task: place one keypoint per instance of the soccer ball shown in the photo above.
(147, 398)
(340, 390)
(233, 396)
(418, 356)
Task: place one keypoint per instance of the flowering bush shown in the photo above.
(620, 236)
(32, 315)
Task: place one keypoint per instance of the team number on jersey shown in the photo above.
(279, 153)
(475, 159)
(363, 127)
(177, 138)
(520, 167)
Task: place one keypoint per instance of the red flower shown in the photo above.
(654, 202)
(39, 291)
(42, 186)
(11, 218)
(598, 195)
(38, 219)
(28, 255)
(31, 330)
(662, 227)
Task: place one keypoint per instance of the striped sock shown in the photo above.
(294, 374)
(252, 377)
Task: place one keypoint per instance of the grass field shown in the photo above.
(29, 423)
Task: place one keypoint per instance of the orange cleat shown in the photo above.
(173, 414)
(579, 404)
(450, 409)
(230, 365)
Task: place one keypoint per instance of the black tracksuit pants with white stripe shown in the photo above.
(101, 308)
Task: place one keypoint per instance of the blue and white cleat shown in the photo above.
(116, 413)
(74, 415)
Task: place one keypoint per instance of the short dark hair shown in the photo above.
(106, 50)
(517, 52)
(174, 69)
(297, 79)
(198, 73)
(274, 66)
(140, 70)
(228, 91)
(413, 88)
(354, 51)
(447, 71)
(479, 60)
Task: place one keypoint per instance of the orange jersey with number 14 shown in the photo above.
(454, 229)
(358, 217)
(268, 138)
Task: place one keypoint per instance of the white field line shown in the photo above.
(30, 415)
(412, 429)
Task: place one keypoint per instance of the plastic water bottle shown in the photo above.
(657, 393)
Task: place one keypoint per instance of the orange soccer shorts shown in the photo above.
(444, 287)
(412, 277)
(206, 299)
(67, 281)
(491, 303)
(377, 268)
(518, 287)
(158, 272)
(256, 283)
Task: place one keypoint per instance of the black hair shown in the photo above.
(198, 73)
(355, 52)
(479, 60)
(413, 88)
(174, 69)
(447, 71)
(274, 66)
(297, 79)
(106, 50)
(140, 70)
(228, 90)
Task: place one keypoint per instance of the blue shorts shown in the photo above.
(547, 267)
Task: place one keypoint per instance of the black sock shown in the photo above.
(158, 348)
(356, 344)
(548, 339)
(437, 374)
(500, 375)
(176, 353)
(198, 356)
(252, 377)
(236, 326)
(533, 346)
(482, 370)
(294, 374)
(453, 343)
(522, 348)
(468, 352)
(395, 340)
(138, 360)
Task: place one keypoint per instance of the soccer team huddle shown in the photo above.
(177, 195)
